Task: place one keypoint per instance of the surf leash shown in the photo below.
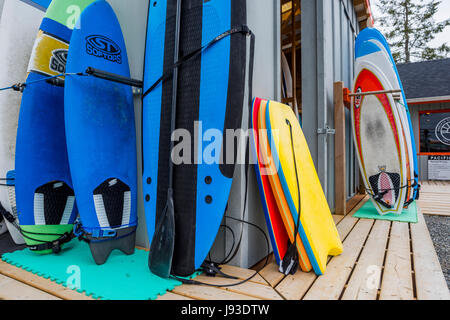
(290, 262)
(54, 245)
(54, 80)
(98, 236)
(378, 196)
(244, 29)
(2, 184)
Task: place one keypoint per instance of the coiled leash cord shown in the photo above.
(54, 245)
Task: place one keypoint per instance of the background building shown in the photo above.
(427, 89)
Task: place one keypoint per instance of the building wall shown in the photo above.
(329, 30)
(414, 110)
(1, 8)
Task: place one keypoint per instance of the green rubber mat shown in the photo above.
(368, 211)
(122, 277)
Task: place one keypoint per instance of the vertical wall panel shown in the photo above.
(327, 33)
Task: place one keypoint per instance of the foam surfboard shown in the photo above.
(210, 100)
(290, 149)
(45, 197)
(277, 232)
(39, 4)
(378, 134)
(101, 133)
(287, 85)
(17, 37)
(272, 169)
(381, 59)
(375, 36)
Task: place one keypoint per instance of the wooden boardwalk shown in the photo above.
(435, 198)
(382, 260)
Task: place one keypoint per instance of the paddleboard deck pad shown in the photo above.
(45, 197)
(101, 134)
(210, 98)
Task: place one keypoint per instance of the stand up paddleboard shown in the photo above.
(386, 63)
(17, 36)
(278, 235)
(45, 197)
(378, 133)
(210, 99)
(301, 186)
(101, 134)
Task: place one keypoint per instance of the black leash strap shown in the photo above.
(54, 245)
(242, 29)
(290, 262)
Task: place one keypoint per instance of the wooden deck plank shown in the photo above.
(330, 285)
(294, 287)
(209, 293)
(11, 289)
(430, 281)
(366, 277)
(271, 274)
(250, 289)
(172, 297)
(40, 283)
(396, 283)
(242, 274)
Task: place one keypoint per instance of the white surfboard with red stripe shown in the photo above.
(379, 137)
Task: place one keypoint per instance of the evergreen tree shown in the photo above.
(409, 26)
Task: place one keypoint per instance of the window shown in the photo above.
(434, 126)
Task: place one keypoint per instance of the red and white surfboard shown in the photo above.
(379, 139)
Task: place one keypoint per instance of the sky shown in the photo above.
(441, 15)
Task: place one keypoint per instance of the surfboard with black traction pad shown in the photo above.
(45, 197)
(17, 36)
(210, 99)
(384, 59)
(101, 134)
(379, 135)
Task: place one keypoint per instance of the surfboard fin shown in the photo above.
(101, 248)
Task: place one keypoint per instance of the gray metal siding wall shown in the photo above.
(328, 36)
(414, 110)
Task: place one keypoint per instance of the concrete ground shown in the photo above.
(439, 228)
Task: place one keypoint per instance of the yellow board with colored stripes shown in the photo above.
(290, 148)
(283, 207)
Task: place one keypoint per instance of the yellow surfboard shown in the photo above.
(270, 170)
(290, 149)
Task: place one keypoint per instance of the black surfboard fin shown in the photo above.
(101, 248)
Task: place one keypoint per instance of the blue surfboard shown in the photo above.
(101, 136)
(210, 96)
(373, 34)
(44, 192)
